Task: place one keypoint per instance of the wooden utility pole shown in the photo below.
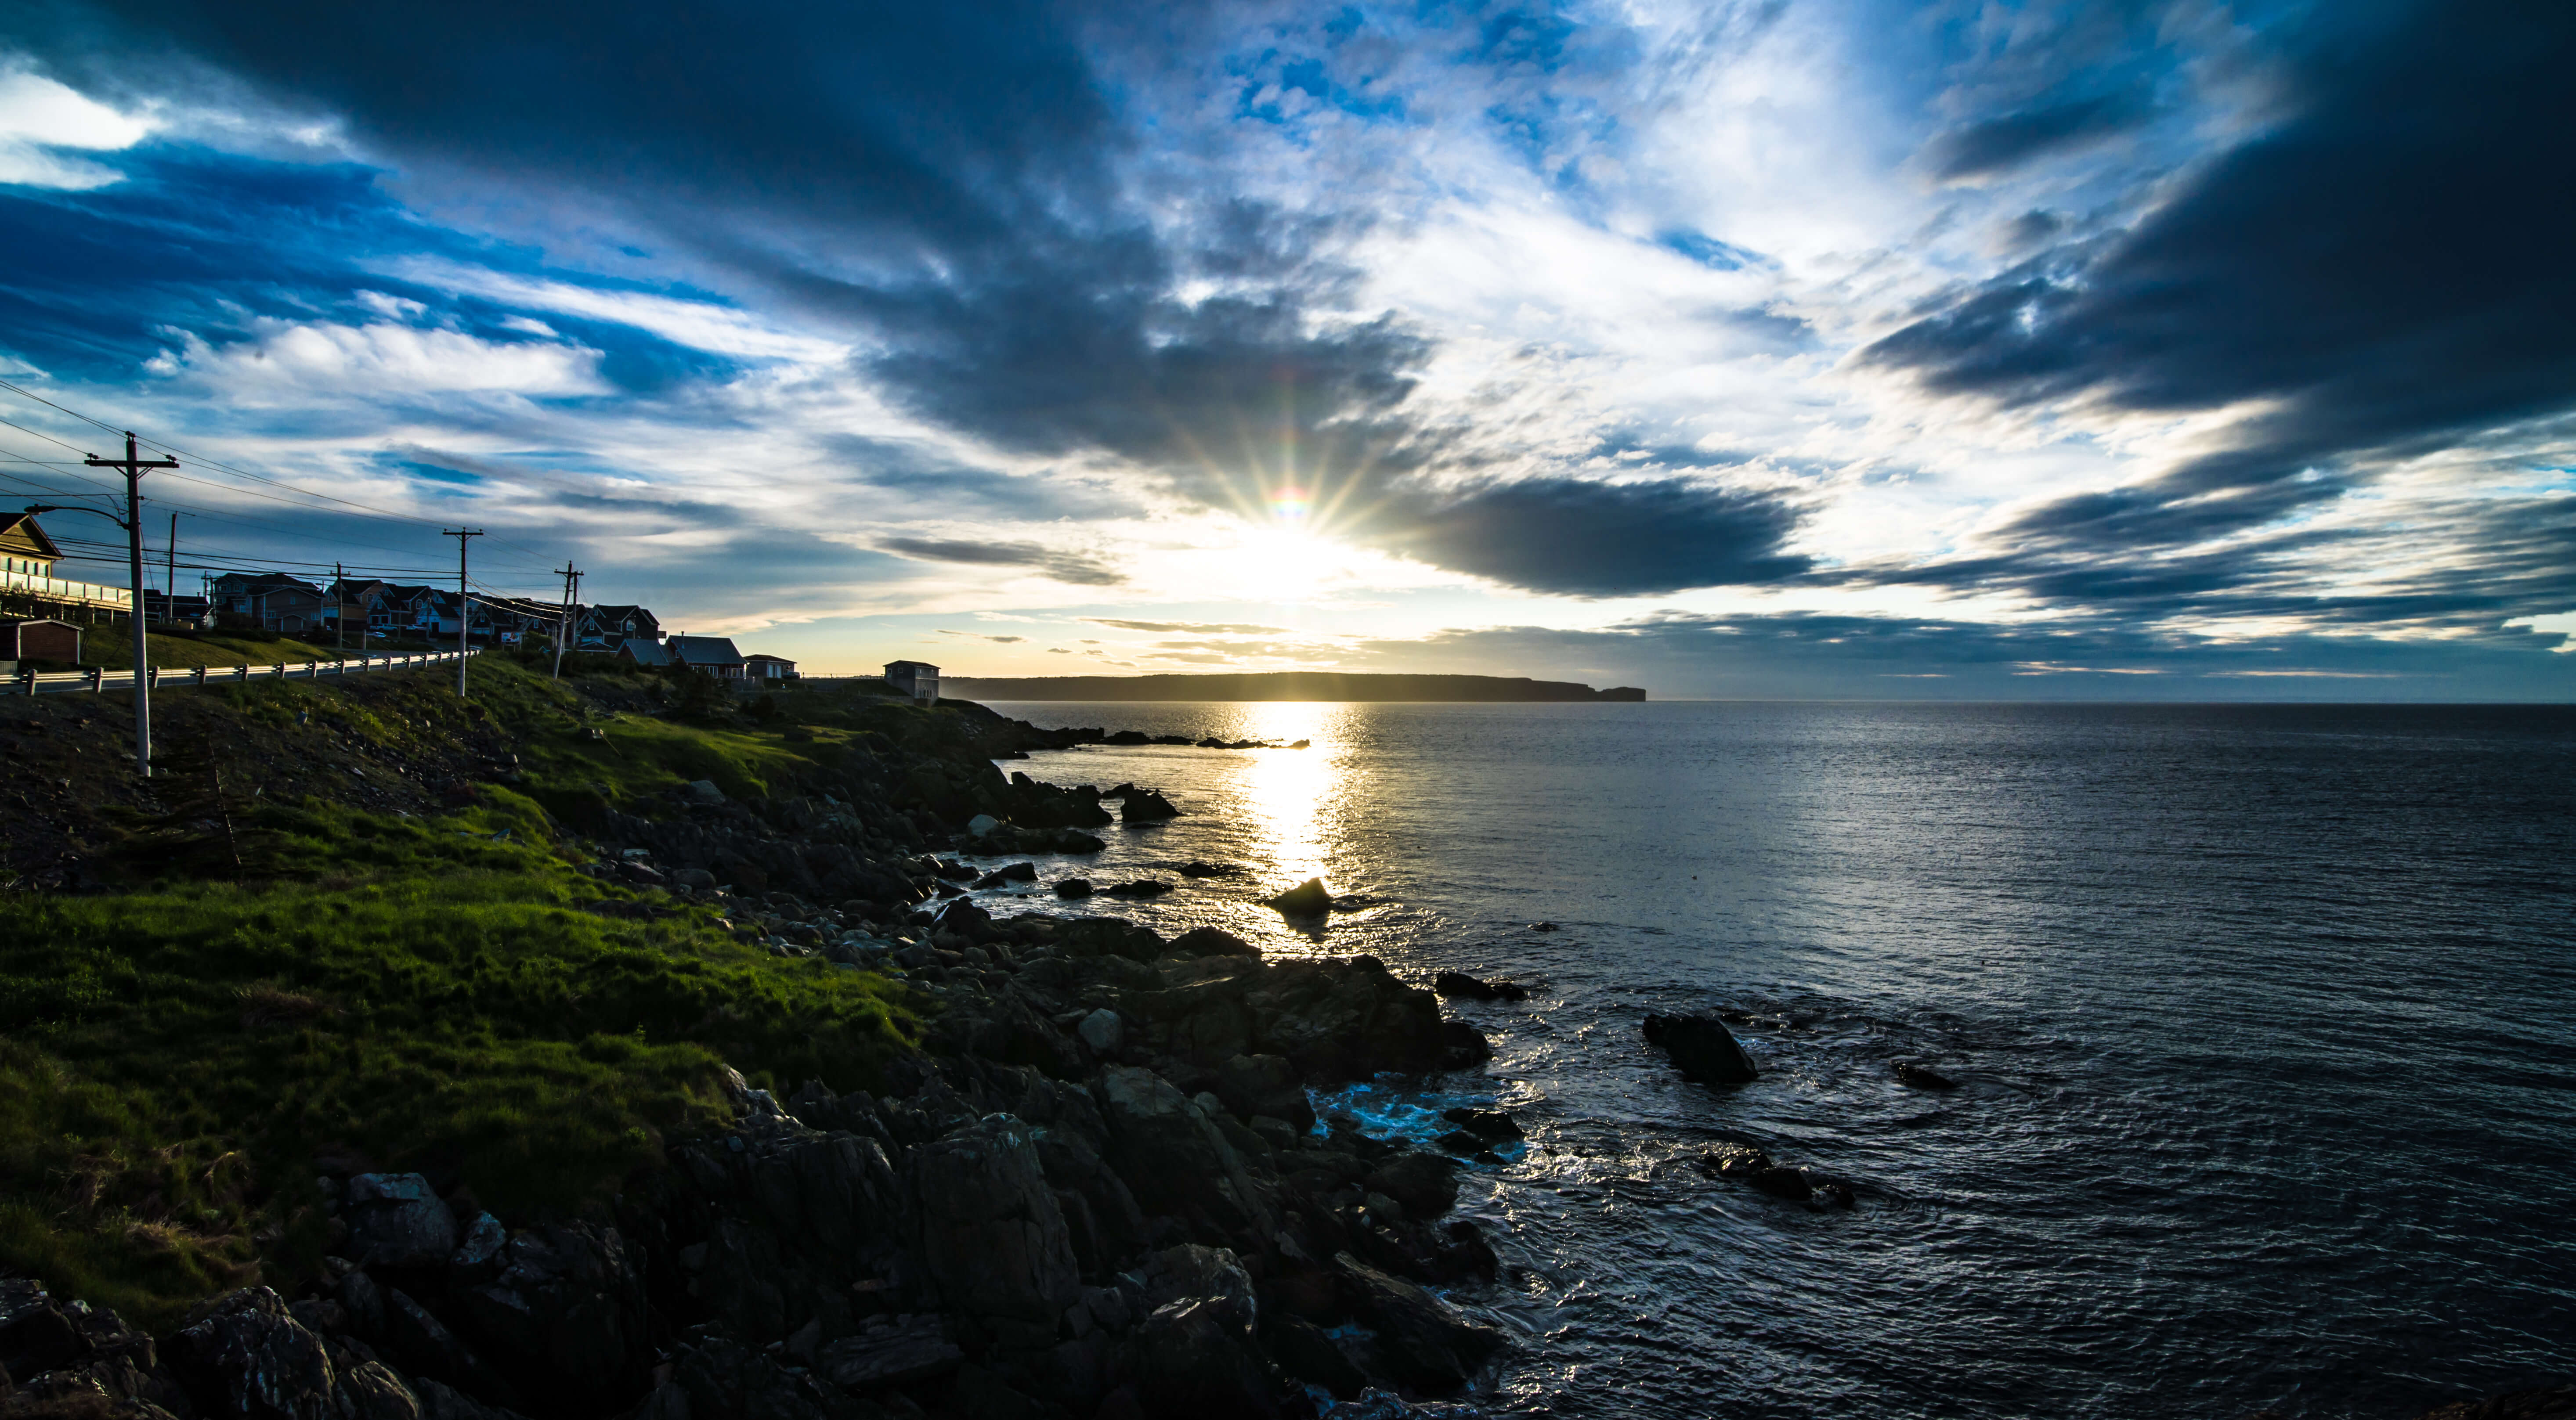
(170, 577)
(340, 610)
(572, 598)
(464, 600)
(134, 468)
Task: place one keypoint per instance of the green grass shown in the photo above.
(421, 992)
(113, 648)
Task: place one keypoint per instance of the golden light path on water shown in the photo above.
(1289, 794)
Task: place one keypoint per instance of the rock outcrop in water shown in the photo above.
(1701, 1048)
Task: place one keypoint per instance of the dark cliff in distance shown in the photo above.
(1285, 685)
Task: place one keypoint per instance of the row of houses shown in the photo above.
(351, 609)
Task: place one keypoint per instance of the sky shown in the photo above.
(1803, 348)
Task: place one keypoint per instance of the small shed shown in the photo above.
(40, 639)
(917, 679)
(766, 667)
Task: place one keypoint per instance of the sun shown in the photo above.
(1279, 564)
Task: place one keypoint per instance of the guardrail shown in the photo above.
(179, 677)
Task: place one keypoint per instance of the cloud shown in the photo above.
(1073, 568)
(39, 118)
(1210, 628)
(1992, 145)
(1594, 539)
(980, 636)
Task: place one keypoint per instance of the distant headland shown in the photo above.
(1282, 685)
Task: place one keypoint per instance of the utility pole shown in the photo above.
(134, 467)
(170, 577)
(464, 603)
(572, 598)
(340, 609)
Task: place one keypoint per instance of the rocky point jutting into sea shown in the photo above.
(1098, 1187)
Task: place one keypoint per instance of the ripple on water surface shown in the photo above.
(2260, 1017)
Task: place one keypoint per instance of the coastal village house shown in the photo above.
(28, 583)
(707, 655)
(609, 628)
(917, 679)
(763, 667)
(272, 601)
(637, 651)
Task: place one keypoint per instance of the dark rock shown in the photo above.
(1483, 1123)
(1923, 1077)
(893, 1351)
(1463, 1046)
(1146, 806)
(370, 1390)
(243, 1355)
(1459, 983)
(1461, 1143)
(440, 1401)
(1210, 942)
(1543, 927)
(966, 920)
(1307, 899)
(1732, 1160)
(1781, 1182)
(1468, 1252)
(1426, 1184)
(397, 1220)
(1701, 1048)
(1306, 1353)
(1209, 870)
(425, 1346)
(1014, 873)
(565, 1316)
(989, 1231)
(1265, 1084)
(979, 1394)
(1834, 1191)
(1073, 887)
(72, 1355)
(1422, 1341)
(1141, 887)
(726, 1380)
(1174, 1157)
(1192, 1360)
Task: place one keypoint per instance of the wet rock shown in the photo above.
(1701, 1048)
(397, 1220)
(1460, 984)
(1923, 1077)
(1543, 927)
(963, 918)
(1209, 870)
(989, 1231)
(1733, 1160)
(1146, 806)
(1426, 1184)
(1012, 873)
(1074, 888)
(1462, 1046)
(1486, 1124)
(70, 1354)
(1423, 1341)
(894, 1351)
(1174, 1157)
(1303, 1351)
(1139, 888)
(478, 1250)
(427, 1347)
(1210, 942)
(1462, 1143)
(371, 1391)
(1782, 1182)
(1307, 899)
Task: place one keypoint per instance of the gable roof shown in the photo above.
(894, 666)
(643, 652)
(19, 532)
(765, 656)
(704, 650)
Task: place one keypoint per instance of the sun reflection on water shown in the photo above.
(1297, 796)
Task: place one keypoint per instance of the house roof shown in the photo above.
(893, 666)
(19, 532)
(643, 652)
(703, 650)
(764, 656)
(266, 582)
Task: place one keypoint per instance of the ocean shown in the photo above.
(2264, 1018)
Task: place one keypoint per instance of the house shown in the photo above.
(914, 678)
(707, 655)
(635, 650)
(273, 601)
(769, 667)
(40, 639)
(606, 628)
(163, 609)
(27, 558)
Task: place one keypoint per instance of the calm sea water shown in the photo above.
(2263, 1014)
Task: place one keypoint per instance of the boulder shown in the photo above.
(1423, 1342)
(1012, 873)
(988, 1230)
(1146, 806)
(1701, 1048)
(1462, 1046)
(1486, 1124)
(1141, 887)
(1074, 887)
(1191, 1359)
(1923, 1077)
(1307, 899)
(702, 791)
(397, 1220)
(982, 824)
(1102, 1031)
(65, 1354)
(243, 1355)
(1210, 942)
(1425, 1184)
(1174, 1157)
(1307, 1354)
(965, 919)
(892, 1351)
(1460, 984)
(565, 1316)
(1254, 1085)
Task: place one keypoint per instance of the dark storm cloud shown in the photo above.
(1602, 539)
(2385, 269)
(1068, 567)
(1995, 144)
(910, 467)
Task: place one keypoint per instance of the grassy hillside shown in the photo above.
(278, 975)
